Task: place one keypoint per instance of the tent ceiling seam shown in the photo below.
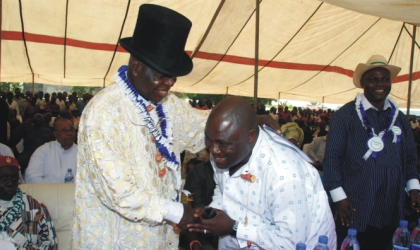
(288, 42)
(340, 92)
(221, 59)
(411, 36)
(335, 57)
(398, 97)
(116, 45)
(24, 39)
(206, 33)
(396, 42)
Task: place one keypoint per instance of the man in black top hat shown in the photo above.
(131, 135)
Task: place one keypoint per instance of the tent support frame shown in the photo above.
(257, 35)
(410, 80)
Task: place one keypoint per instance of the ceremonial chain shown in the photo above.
(163, 139)
(375, 143)
(13, 213)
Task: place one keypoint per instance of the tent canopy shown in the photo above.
(307, 49)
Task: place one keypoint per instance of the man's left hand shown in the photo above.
(269, 121)
(415, 199)
(221, 224)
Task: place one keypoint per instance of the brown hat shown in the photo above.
(8, 161)
(375, 61)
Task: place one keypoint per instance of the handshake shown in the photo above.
(207, 221)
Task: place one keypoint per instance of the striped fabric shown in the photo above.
(34, 228)
(375, 187)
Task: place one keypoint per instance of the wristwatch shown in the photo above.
(235, 228)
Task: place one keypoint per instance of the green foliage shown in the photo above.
(286, 104)
(10, 86)
(80, 90)
(217, 98)
(313, 104)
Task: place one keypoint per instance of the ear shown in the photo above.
(55, 133)
(252, 135)
(134, 66)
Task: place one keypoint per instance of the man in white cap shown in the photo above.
(131, 135)
(370, 159)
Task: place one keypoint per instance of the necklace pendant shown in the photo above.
(149, 108)
(158, 157)
(246, 221)
(162, 172)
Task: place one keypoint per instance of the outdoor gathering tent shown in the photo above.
(307, 49)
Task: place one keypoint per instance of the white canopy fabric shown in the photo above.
(307, 49)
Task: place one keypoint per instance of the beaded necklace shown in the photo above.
(375, 143)
(162, 138)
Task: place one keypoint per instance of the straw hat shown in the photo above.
(375, 61)
(159, 40)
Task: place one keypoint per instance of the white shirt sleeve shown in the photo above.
(338, 194)
(413, 184)
(174, 211)
(34, 174)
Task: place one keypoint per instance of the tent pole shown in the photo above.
(257, 27)
(410, 80)
(322, 104)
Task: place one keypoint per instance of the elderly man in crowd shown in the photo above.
(267, 193)
(370, 158)
(50, 162)
(24, 222)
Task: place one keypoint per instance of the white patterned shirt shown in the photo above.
(120, 201)
(287, 203)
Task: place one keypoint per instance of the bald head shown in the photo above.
(231, 133)
(236, 111)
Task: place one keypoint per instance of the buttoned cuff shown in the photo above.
(174, 211)
(413, 184)
(338, 194)
(245, 234)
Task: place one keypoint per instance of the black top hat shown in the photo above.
(159, 40)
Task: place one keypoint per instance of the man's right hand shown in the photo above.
(187, 217)
(342, 211)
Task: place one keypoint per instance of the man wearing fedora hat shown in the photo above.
(370, 159)
(131, 135)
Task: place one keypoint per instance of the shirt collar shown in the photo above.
(367, 105)
(58, 145)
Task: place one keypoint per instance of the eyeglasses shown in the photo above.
(65, 131)
(375, 80)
